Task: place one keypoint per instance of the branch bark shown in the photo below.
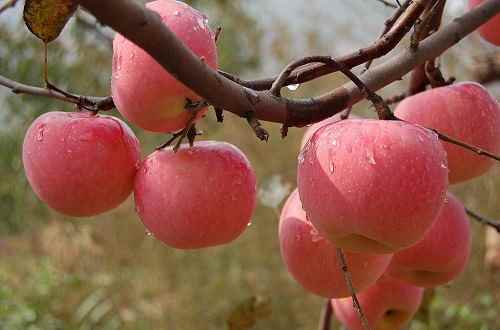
(94, 103)
(146, 29)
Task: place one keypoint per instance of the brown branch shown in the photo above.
(431, 23)
(257, 128)
(348, 281)
(92, 103)
(86, 21)
(7, 5)
(475, 149)
(379, 48)
(387, 3)
(389, 23)
(325, 321)
(492, 223)
(146, 29)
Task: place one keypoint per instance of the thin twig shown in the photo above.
(93, 103)
(217, 34)
(406, 16)
(348, 281)
(387, 3)
(325, 321)
(489, 222)
(88, 22)
(389, 23)
(7, 5)
(257, 128)
(219, 114)
(475, 149)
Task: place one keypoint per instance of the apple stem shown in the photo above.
(484, 220)
(325, 320)
(348, 281)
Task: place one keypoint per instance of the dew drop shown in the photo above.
(370, 158)
(249, 224)
(149, 234)
(177, 13)
(293, 87)
(331, 167)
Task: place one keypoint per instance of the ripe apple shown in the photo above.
(464, 111)
(372, 186)
(443, 252)
(387, 305)
(490, 30)
(312, 260)
(143, 91)
(79, 163)
(196, 197)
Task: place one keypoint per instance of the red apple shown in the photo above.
(312, 260)
(143, 91)
(443, 252)
(464, 111)
(372, 186)
(80, 164)
(490, 31)
(388, 305)
(198, 197)
(314, 127)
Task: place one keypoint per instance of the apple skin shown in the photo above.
(146, 94)
(80, 164)
(464, 111)
(199, 196)
(314, 127)
(489, 30)
(312, 260)
(387, 305)
(443, 252)
(372, 186)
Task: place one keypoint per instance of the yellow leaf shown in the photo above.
(46, 18)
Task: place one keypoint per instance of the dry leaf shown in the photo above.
(247, 313)
(46, 18)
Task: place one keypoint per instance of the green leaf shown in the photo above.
(46, 18)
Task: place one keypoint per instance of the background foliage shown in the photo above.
(106, 273)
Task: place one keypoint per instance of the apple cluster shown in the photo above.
(379, 191)
(83, 164)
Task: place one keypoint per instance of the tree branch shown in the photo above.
(7, 5)
(348, 280)
(492, 223)
(92, 103)
(325, 320)
(400, 24)
(146, 29)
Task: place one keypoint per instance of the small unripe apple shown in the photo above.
(143, 91)
(196, 197)
(443, 252)
(387, 305)
(312, 260)
(372, 186)
(79, 163)
(464, 111)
